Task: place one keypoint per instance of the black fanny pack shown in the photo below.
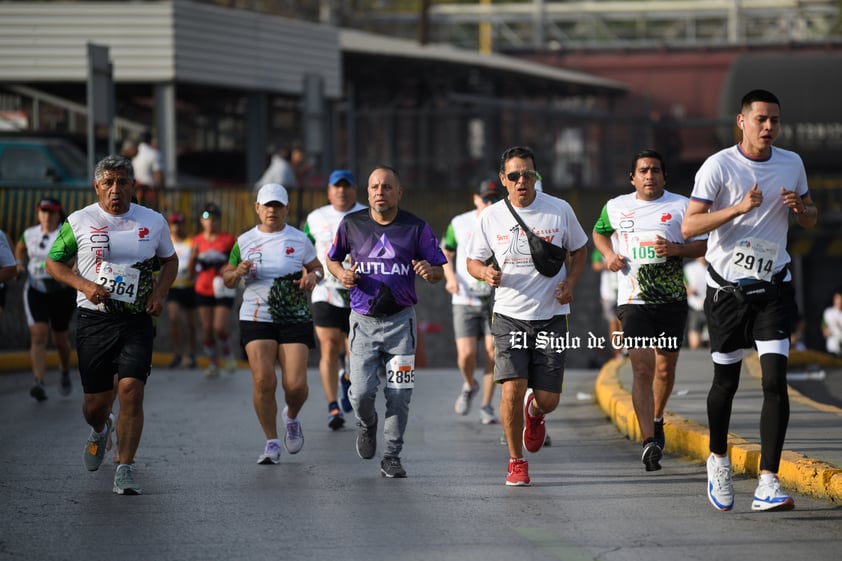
(548, 258)
(753, 291)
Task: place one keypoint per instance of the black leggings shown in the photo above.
(774, 415)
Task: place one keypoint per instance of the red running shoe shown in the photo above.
(534, 431)
(518, 473)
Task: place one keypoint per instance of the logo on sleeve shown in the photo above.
(289, 250)
(666, 217)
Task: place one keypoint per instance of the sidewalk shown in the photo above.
(812, 457)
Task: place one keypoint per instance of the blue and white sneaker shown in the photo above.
(345, 385)
(769, 496)
(96, 445)
(720, 488)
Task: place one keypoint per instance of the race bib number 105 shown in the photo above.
(120, 280)
(400, 372)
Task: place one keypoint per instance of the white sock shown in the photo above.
(767, 478)
(723, 461)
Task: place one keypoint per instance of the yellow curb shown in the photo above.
(690, 439)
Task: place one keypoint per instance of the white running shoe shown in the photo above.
(486, 415)
(271, 454)
(294, 436)
(769, 496)
(720, 489)
(463, 402)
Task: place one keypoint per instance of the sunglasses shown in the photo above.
(528, 174)
(43, 243)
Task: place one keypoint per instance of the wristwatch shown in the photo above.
(319, 274)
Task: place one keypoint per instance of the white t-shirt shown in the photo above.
(457, 239)
(321, 227)
(695, 274)
(832, 319)
(182, 250)
(647, 278)
(274, 255)
(524, 293)
(117, 251)
(38, 246)
(147, 161)
(753, 244)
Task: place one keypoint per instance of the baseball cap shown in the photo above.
(211, 209)
(52, 205)
(176, 217)
(488, 189)
(340, 174)
(273, 192)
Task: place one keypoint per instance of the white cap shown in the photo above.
(273, 192)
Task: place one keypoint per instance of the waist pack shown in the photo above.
(547, 258)
(753, 291)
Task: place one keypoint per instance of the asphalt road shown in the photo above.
(205, 498)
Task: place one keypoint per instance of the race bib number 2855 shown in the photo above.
(400, 372)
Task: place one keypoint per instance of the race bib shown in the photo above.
(120, 280)
(38, 268)
(400, 372)
(222, 291)
(753, 258)
(640, 248)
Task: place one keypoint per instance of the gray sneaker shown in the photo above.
(391, 467)
(96, 446)
(124, 483)
(366, 440)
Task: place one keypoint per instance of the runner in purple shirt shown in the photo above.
(388, 248)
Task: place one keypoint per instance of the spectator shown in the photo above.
(832, 324)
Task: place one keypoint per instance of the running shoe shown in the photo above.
(651, 456)
(65, 385)
(124, 483)
(534, 430)
(191, 362)
(391, 467)
(345, 384)
(271, 453)
(212, 371)
(37, 392)
(96, 446)
(335, 419)
(366, 440)
(547, 440)
(660, 439)
(769, 496)
(518, 474)
(231, 364)
(720, 489)
(293, 436)
(486, 415)
(463, 402)
(175, 362)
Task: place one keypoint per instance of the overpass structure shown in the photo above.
(543, 24)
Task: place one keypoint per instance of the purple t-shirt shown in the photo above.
(386, 282)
